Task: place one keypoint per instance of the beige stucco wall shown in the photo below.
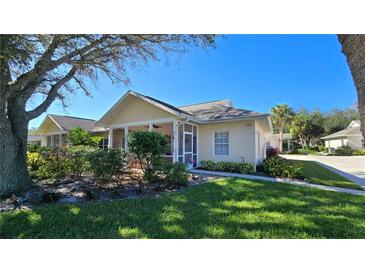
(241, 141)
(260, 146)
(138, 110)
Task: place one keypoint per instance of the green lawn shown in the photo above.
(318, 174)
(225, 208)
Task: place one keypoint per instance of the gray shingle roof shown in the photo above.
(221, 112)
(69, 122)
(344, 133)
(210, 111)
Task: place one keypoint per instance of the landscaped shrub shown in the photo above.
(77, 159)
(33, 148)
(343, 150)
(54, 164)
(177, 174)
(80, 137)
(358, 152)
(147, 147)
(271, 152)
(280, 167)
(232, 167)
(107, 164)
(319, 148)
(34, 160)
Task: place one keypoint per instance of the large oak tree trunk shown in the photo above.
(14, 175)
(353, 47)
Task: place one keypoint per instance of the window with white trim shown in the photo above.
(221, 143)
(104, 143)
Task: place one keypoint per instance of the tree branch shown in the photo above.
(52, 95)
(39, 68)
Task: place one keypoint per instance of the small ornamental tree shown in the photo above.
(80, 137)
(148, 147)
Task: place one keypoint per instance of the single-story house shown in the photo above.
(214, 131)
(54, 129)
(351, 136)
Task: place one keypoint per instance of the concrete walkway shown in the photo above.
(278, 180)
(350, 167)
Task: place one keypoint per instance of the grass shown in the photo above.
(225, 208)
(318, 174)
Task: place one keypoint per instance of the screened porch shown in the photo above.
(183, 139)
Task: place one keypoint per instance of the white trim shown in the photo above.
(110, 138)
(176, 141)
(126, 138)
(197, 146)
(143, 123)
(55, 133)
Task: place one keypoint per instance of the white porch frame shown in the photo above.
(175, 128)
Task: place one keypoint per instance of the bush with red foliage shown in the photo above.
(271, 152)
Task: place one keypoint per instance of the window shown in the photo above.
(49, 141)
(221, 143)
(104, 143)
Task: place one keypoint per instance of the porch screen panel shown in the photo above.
(118, 138)
(49, 140)
(56, 140)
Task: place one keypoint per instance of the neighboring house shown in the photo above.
(273, 140)
(351, 136)
(33, 140)
(207, 131)
(54, 129)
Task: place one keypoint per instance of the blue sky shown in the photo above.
(255, 71)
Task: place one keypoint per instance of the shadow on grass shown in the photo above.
(229, 208)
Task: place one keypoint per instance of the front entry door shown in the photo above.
(188, 149)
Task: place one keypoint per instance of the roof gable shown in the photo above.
(127, 98)
(58, 123)
(70, 122)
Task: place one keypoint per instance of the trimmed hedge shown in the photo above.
(358, 152)
(280, 167)
(343, 150)
(232, 167)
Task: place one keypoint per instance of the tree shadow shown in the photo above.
(227, 208)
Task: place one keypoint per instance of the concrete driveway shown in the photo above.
(350, 167)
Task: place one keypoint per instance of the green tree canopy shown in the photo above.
(54, 66)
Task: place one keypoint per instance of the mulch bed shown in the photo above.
(73, 191)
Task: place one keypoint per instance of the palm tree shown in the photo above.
(353, 47)
(281, 116)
